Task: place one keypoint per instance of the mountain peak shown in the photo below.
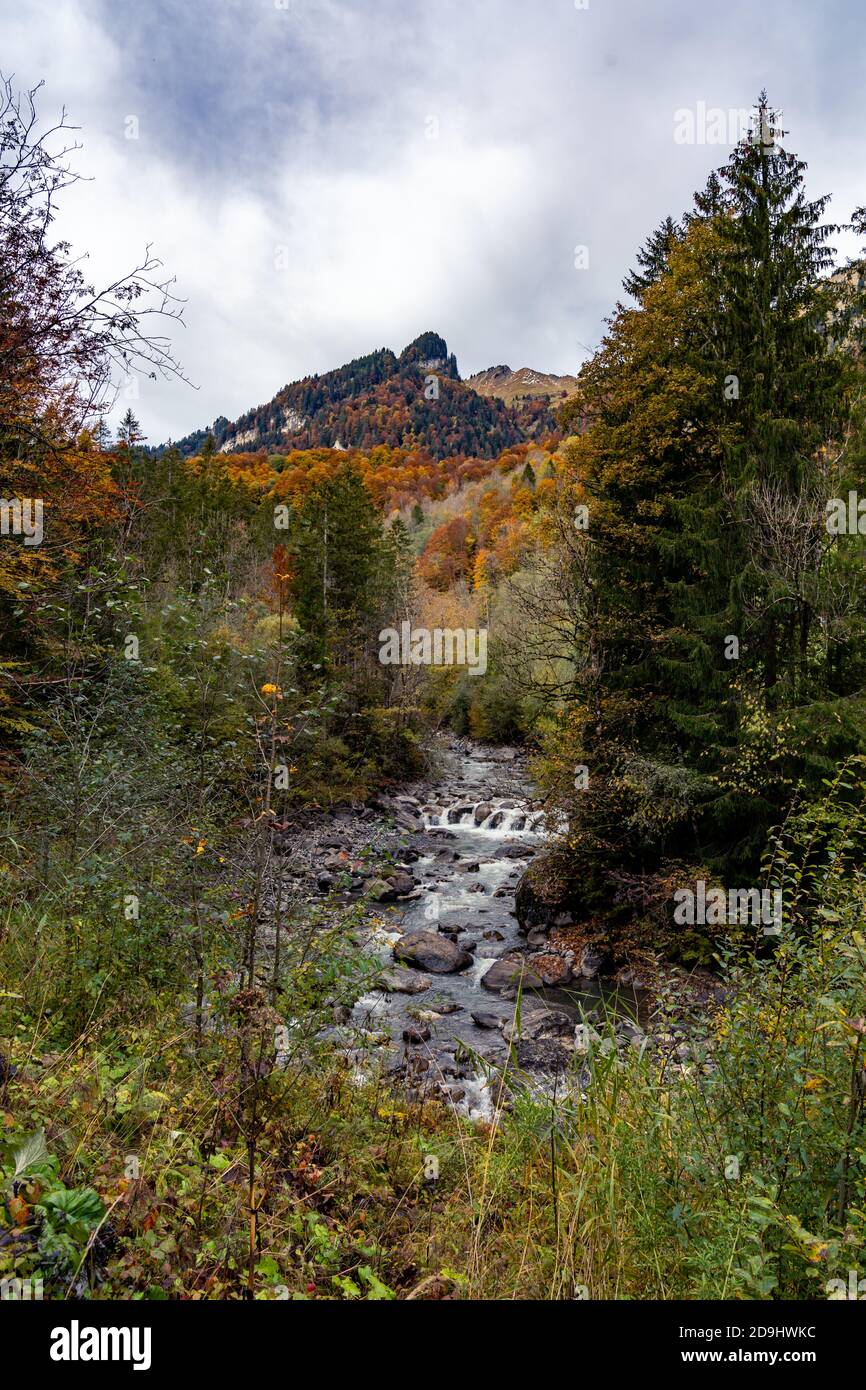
(525, 384)
(430, 350)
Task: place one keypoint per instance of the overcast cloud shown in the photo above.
(285, 173)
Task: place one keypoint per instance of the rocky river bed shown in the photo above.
(464, 993)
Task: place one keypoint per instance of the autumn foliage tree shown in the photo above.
(63, 345)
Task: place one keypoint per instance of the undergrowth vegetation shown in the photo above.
(143, 1156)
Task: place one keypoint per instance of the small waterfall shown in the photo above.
(493, 817)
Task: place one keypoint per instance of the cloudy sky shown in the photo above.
(324, 177)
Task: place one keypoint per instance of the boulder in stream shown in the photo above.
(402, 882)
(378, 891)
(535, 1024)
(416, 1034)
(542, 1055)
(397, 884)
(486, 1018)
(513, 970)
(553, 970)
(398, 980)
(427, 950)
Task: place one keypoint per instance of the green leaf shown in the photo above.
(32, 1155)
(77, 1204)
(377, 1290)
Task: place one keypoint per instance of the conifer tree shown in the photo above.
(785, 386)
(335, 545)
(652, 258)
(723, 655)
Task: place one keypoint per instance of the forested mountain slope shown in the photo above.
(412, 401)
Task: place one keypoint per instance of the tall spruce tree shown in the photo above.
(335, 544)
(786, 387)
(758, 648)
(724, 669)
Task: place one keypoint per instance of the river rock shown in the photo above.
(401, 882)
(585, 1037)
(541, 1054)
(445, 1006)
(543, 893)
(539, 1023)
(553, 970)
(630, 1031)
(592, 961)
(396, 979)
(378, 891)
(511, 971)
(427, 950)
(485, 1018)
(336, 863)
(416, 1034)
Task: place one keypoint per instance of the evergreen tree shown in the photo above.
(709, 202)
(336, 546)
(652, 258)
(129, 431)
(720, 671)
(785, 386)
